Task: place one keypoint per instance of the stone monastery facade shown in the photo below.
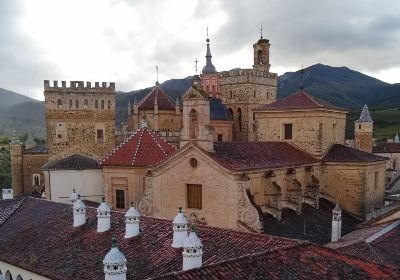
(238, 153)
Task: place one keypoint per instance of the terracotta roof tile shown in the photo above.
(299, 100)
(74, 162)
(63, 252)
(383, 148)
(256, 155)
(301, 261)
(8, 207)
(163, 100)
(342, 153)
(142, 149)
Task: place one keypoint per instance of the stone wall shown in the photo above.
(363, 136)
(313, 131)
(164, 120)
(224, 128)
(130, 179)
(32, 164)
(242, 90)
(17, 181)
(74, 113)
(353, 186)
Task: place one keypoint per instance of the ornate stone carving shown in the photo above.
(247, 213)
(145, 204)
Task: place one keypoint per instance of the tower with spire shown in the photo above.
(363, 129)
(261, 54)
(209, 75)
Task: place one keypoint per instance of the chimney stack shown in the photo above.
(79, 209)
(7, 194)
(114, 263)
(103, 217)
(192, 251)
(132, 222)
(180, 229)
(336, 223)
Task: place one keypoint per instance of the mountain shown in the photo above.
(340, 86)
(9, 98)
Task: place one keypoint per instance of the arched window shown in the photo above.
(193, 124)
(102, 104)
(8, 276)
(77, 104)
(239, 119)
(85, 103)
(260, 57)
(96, 104)
(254, 94)
(70, 104)
(230, 94)
(231, 112)
(36, 179)
(109, 104)
(219, 136)
(59, 103)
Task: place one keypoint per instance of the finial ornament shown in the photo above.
(208, 39)
(195, 65)
(157, 73)
(261, 30)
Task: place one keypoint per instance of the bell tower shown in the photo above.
(363, 129)
(261, 54)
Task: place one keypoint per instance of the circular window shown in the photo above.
(193, 163)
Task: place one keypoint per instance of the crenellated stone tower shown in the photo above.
(80, 118)
(363, 129)
(244, 89)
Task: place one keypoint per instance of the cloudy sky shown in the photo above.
(123, 40)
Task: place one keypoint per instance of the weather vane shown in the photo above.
(195, 65)
(157, 72)
(207, 32)
(261, 30)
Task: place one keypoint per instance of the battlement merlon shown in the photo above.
(79, 86)
(243, 76)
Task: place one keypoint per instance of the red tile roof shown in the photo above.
(39, 237)
(142, 149)
(299, 100)
(163, 100)
(301, 261)
(386, 148)
(341, 153)
(8, 207)
(238, 156)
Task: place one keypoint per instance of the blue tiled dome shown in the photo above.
(218, 111)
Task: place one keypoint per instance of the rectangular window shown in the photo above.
(70, 104)
(194, 196)
(102, 104)
(219, 137)
(288, 131)
(120, 199)
(96, 104)
(376, 181)
(100, 136)
(334, 131)
(77, 104)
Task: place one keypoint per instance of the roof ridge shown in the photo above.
(154, 90)
(116, 148)
(313, 99)
(138, 145)
(24, 199)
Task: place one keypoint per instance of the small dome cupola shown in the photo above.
(115, 263)
(180, 228)
(79, 209)
(192, 251)
(103, 217)
(73, 196)
(132, 222)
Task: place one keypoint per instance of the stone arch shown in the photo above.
(193, 124)
(273, 195)
(8, 276)
(311, 192)
(260, 57)
(220, 136)
(294, 194)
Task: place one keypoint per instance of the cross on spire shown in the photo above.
(195, 65)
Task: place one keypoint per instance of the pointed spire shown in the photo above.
(30, 141)
(396, 138)
(157, 83)
(365, 115)
(135, 102)
(209, 68)
(177, 102)
(15, 139)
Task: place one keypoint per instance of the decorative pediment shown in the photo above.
(193, 93)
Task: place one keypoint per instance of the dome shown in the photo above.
(180, 218)
(209, 69)
(192, 240)
(218, 111)
(132, 212)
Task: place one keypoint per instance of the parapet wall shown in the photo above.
(240, 76)
(79, 86)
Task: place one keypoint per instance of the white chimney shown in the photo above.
(79, 212)
(180, 229)
(103, 217)
(192, 251)
(7, 194)
(115, 263)
(336, 223)
(132, 222)
(73, 196)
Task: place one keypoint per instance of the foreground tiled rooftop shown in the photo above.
(238, 156)
(59, 251)
(342, 153)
